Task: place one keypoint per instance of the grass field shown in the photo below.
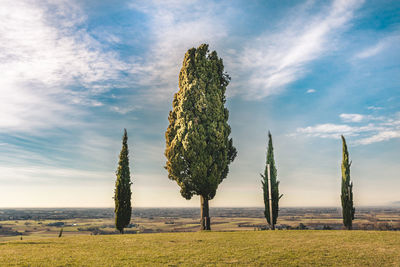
(271, 248)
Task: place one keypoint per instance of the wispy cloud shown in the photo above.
(372, 132)
(123, 110)
(275, 59)
(379, 47)
(46, 52)
(310, 91)
(374, 108)
(50, 174)
(330, 130)
(352, 117)
(175, 26)
(371, 51)
(380, 136)
(265, 65)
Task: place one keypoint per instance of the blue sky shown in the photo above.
(75, 73)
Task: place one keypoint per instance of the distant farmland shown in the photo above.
(34, 223)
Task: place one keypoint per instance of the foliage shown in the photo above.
(274, 185)
(198, 147)
(122, 193)
(347, 189)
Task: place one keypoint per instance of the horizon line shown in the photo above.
(195, 207)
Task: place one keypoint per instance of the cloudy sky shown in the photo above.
(75, 73)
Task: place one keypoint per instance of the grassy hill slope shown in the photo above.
(279, 248)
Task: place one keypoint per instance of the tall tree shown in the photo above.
(198, 147)
(122, 193)
(347, 189)
(274, 186)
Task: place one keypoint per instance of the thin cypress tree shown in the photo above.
(274, 186)
(347, 189)
(122, 193)
(198, 147)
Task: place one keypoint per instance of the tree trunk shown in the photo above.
(205, 216)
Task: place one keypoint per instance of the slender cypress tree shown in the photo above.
(274, 186)
(122, 193)
(347, 189)
(198, 147)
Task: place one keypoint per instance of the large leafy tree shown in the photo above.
(122, 193)
(274, 186)
(198, 147)
(348, 209)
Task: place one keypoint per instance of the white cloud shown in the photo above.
(123, 110)
(352, 117)
(371, 51)
(265, 65)
(380, 136)
(276, 59)
(374, 108)
(327, 130)
(386, 128)
(382, 45)
(43, 54)
(175, 26)
(310, 91)
(49, 174)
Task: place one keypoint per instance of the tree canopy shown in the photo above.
(274, 185)
(122, 193)
(347, 189)
(198, 147)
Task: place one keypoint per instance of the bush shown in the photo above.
(301, 227)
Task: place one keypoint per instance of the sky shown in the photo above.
(74, 74)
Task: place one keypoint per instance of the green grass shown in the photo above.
(250, 248)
